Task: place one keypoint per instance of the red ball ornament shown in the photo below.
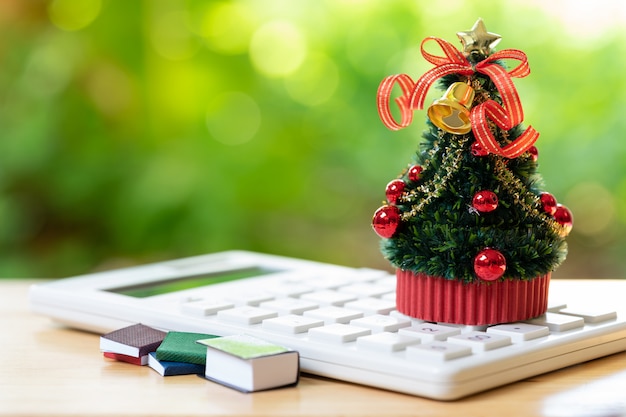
(386, 221)
(394, 190)
(414, 173)
(534, 153)
(548, 202)
(485, 201)
(489, 264)
(478, 150)
(564, 217)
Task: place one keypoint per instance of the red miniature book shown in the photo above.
(141, 361)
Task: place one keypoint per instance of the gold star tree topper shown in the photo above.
(478, 39)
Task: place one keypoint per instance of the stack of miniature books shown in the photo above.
(241, 362)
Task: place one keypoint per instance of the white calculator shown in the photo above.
(343, 321)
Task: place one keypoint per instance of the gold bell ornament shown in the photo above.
(452, 111)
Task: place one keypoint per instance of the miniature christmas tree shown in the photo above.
(472, 235)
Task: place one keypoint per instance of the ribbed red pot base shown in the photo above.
(449, 301)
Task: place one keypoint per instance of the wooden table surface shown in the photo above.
(47, 369)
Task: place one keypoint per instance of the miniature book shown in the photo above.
(182, 347)
(136, 340)
(248, 364)
(169, 368)
(135, 360)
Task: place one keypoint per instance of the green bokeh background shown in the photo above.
(138, 131)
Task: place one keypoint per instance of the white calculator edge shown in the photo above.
(154, 294)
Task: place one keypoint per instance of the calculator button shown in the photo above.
(338, 333)
(329, 298)
(326, 281)
(365, 290)
(389, 281)
(589, 315)
(252, 298)
(381, 323)
(389, 297)
(289, 305)
(290, 289)
(189, 298)
(413, 320)
(386, 342)
(480, 341)
(439, 351)
(246, 315)
(202, 308)
(334, 314)
(371, 305)
(367, 274)
(291, 324)
(429, 332)
(558, 322)
(520, 332)
(466, 328)
(555, 307)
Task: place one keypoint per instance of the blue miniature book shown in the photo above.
(169, 368)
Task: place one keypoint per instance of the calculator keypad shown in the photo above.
(361, 313)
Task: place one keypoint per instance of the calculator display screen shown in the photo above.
(187, 282)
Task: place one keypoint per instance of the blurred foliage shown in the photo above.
(137, 131)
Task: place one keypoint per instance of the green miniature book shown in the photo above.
(248, 364)
(182, 347)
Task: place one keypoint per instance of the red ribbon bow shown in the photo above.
(505, 116)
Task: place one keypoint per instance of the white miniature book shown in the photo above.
(250, 364)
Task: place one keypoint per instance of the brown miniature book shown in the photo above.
(137, 340)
